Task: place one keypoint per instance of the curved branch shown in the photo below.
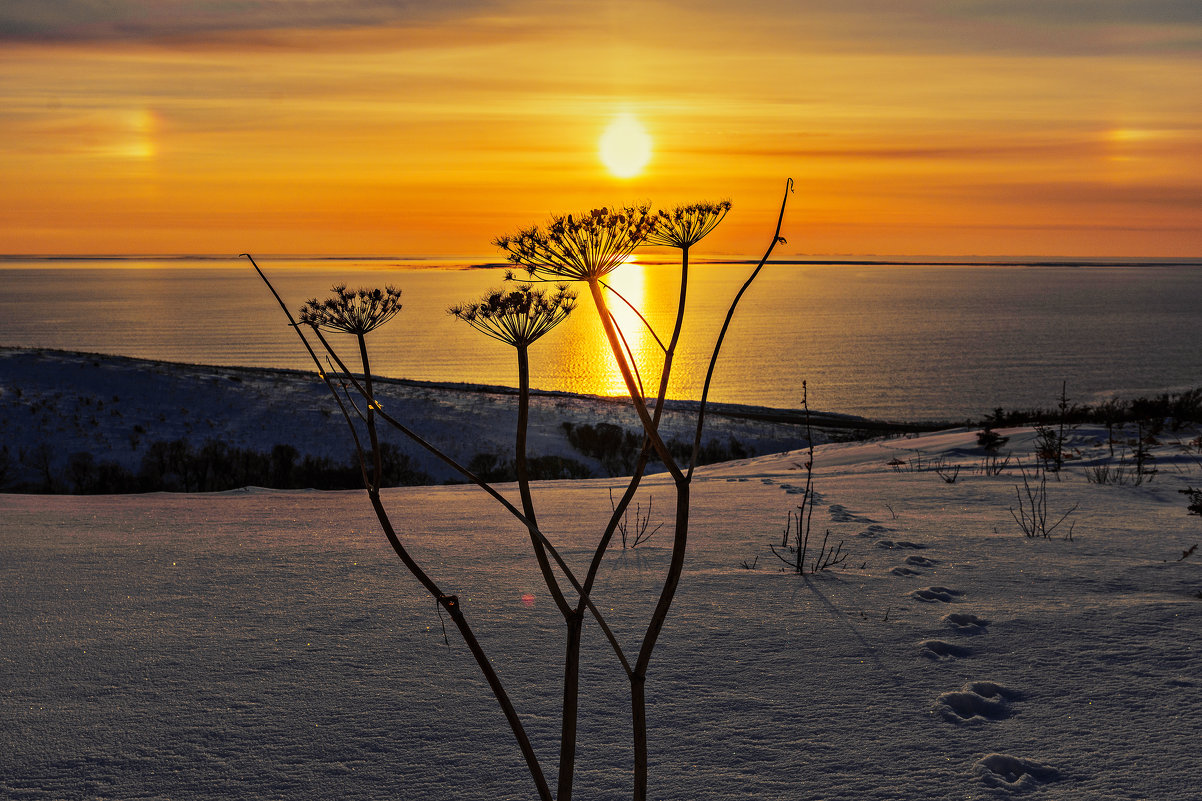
(523, 475)
(650, 428)
(709, 373)
(635, 309)
(629, 354)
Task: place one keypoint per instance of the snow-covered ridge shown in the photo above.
(54, 404)
(269, 645)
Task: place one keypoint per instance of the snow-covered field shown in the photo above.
(114, 407)
(263, 645)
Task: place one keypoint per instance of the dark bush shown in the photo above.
(617, 449)
(614, 447)
(492, 468)
(711, 451)
(283, 465)
(86, 476)
(990, 440)
(1178, 408)
(397, 468)
(1193, 500)
(552, 468)
(178, 467)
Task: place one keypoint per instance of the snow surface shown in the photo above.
(113, 407)
(269, 645)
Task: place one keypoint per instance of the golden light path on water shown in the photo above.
(582, 352)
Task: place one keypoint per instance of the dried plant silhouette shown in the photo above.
(795, 537)
(569, 248)
(636, 535)
(1032, 515)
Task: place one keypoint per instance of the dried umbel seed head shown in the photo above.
(583, 247)
(353, 312)
(518, 316)
(685, 226)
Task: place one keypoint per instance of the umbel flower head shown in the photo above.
(519, 316)
(585, 247)
(354, 312)
(685, 226)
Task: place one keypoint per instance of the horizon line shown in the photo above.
(482, 262)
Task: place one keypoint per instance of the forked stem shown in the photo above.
(448, 602)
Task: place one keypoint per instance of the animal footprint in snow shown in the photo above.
(978, 701)
(839, 514)
(940, 650)
(1013, 773)
(899, 544)
(905, 571)
(932, 594)
(991, 689)
(964, 623)
(921, 561)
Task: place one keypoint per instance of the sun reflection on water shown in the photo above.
(582, 351)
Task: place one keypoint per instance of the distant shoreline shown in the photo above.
(485, 262)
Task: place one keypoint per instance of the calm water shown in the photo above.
(903, 342)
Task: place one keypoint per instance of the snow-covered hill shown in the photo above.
(54, 404)
(268, 645)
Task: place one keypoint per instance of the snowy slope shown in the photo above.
(113, 407)
(269, 645)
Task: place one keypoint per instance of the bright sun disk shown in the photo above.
(625, 146)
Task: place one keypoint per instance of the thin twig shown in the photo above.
(709, 373)
(634, 309)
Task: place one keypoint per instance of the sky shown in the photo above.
(384, 127)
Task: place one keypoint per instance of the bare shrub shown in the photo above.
(993, 465)
(948, 472)
(795, 538)
(1032, 513)
(638, 534)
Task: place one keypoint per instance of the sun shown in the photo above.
(625, 146)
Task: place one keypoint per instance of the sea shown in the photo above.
(942, 340)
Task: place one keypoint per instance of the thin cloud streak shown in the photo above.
(893, 153)
(1046, 27)
(126, 20)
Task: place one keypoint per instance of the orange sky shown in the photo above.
(1061, 128)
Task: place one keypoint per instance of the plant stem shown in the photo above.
(573, 618)
(638, 718)
(523, 475)
(671, 349)
(636, 397)
(371, 411)
(571, 705)
(709, 373)
(448, 602)
(641, 465)
(638, 674)
(451, 604)
(575, 624)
